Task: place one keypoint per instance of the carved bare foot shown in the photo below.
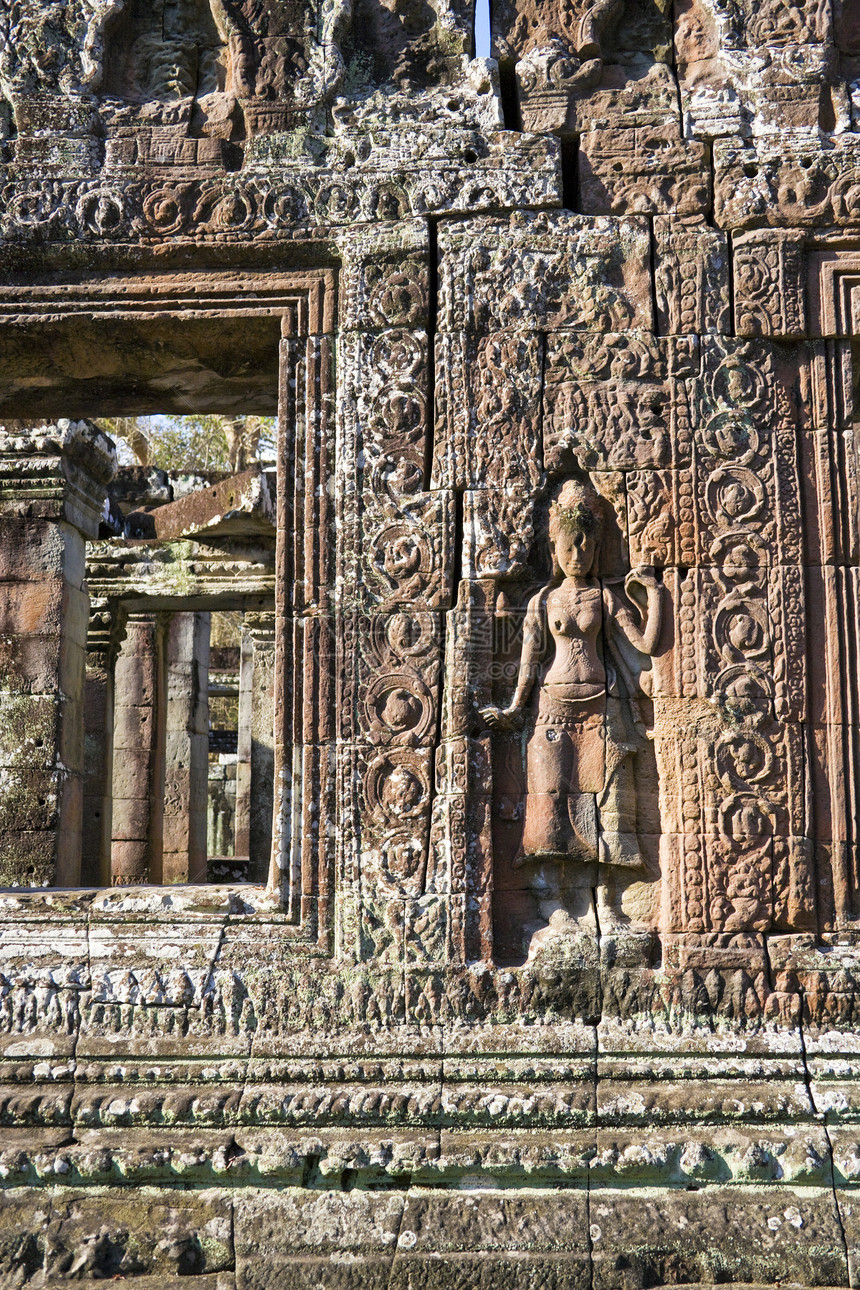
(610, 916)
(560, 927)
(610, 919)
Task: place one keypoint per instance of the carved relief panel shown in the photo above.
(548, 794)
(497, 793)
(395, 560)
(550, 614)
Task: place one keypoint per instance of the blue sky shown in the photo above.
(482, 28)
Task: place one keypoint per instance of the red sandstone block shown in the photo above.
(130, 861)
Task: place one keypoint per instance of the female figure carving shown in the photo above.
(580, 804)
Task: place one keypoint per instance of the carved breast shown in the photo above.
(573, 613)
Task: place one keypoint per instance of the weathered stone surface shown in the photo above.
(535, 959)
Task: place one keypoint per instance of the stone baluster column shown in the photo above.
(52, 494)
(242, 832)
(186, 748)
(259, 631)
(106, 629)
(138, 761)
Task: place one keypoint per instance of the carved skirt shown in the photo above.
(565, 773)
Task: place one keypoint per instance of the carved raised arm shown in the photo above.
(643, 635)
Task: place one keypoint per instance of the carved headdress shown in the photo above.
(577, 508)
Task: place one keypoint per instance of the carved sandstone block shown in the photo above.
(769, 281)
(618, 402)
(488, 411)
(797, 184)
(389, 672)
(642, 171)
(407, 552)
(551, 271)
(691, 277)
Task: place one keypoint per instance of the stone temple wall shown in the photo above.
(546, 972)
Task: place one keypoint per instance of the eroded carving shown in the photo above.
(548, 656)
(587, 727)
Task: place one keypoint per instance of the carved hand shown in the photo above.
(500, 718)
(645, 576)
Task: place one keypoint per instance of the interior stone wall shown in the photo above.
(552, 623)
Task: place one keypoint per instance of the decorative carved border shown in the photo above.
(834, 292)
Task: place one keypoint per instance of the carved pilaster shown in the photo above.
(52, 491)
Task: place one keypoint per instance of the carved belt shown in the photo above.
(553, 711)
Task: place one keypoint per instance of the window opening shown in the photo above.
(181, 766)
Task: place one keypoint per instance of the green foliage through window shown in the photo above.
(201, 442)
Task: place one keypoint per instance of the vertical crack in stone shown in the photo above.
(837, 1209)
(233, 1233)
(432, 328)
(569, 162)
(655, 309)
(731, 283)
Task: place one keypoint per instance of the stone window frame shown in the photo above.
(297, 895)
(833, 295)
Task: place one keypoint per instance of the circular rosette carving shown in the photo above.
(406, 636)
(400, 477)
(35, 207)
(746, 692)
(756, 276)
(398, 709)
(100, 211)
(737, 384)
(397, 787)
(746, 817)
(397, 416)
(431, 194)
(395, 297)
(741, 630)
(167, 209)
(743, 758)
(224, 210)
(735, 496)
(732, 436)
(401, 862)
(744, 554)
(285, 206)
(336, 203)
(386, 201)
(397, 352)
(401, 556)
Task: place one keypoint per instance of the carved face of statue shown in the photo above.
(575, 550)
(575, 528)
